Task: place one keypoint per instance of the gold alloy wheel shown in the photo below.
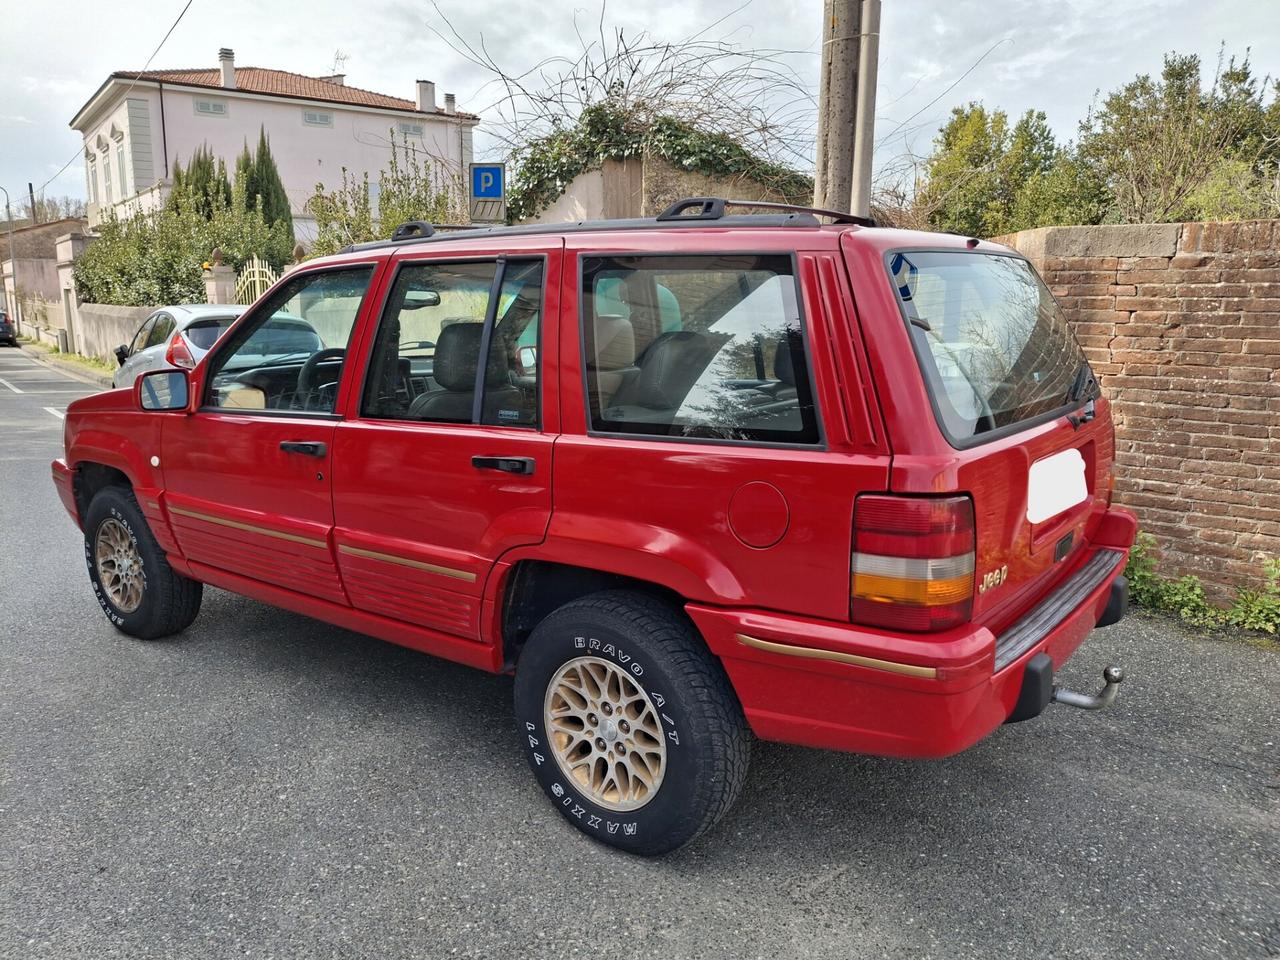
(605, 733)
(119, 565)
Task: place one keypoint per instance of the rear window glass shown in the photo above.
(994, 346)
(205, 333)
(700, 347)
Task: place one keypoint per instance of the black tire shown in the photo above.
(169, 600)
(707, 742)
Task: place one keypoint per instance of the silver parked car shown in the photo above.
(175, 336)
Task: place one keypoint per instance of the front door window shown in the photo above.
(289, 355)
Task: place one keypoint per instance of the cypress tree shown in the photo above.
(263, 181)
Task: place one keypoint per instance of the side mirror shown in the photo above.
(163, 390)
(527, 357)
(122, 353)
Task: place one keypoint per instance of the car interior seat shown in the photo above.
(457, 353)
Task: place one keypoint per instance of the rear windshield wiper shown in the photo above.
(1081, 384)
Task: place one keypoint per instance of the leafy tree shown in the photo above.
(156, 258)
(1160, 142)
(414, 186)
(981, 167)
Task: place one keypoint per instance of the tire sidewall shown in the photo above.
(664, 822)
(113, 504)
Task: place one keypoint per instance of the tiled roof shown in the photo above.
(281, 83)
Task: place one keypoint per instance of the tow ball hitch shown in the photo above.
(1112, 677)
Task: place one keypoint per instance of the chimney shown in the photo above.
(426, 96)
(227, 61)
(450, 103)
(337, 79)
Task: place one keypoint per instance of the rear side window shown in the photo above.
(160, 331)
(993, 344)
(708, 348)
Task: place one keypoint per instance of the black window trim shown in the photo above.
(248, 316)
(802, 316)
(1009, 429)
(500, 260)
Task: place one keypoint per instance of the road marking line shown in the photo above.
(10, 386)
(57, 413)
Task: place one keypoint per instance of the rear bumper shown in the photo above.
(838, 686)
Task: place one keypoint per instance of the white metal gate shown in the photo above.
(253, 280)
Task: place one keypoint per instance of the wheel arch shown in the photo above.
(90, 476)
(533, 588)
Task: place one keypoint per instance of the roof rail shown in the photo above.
(412, 230)
(713, 208)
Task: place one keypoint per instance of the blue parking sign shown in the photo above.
(487, 181)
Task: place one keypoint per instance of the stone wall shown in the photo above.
(1182, 324)
(644, 187)
(101, 327)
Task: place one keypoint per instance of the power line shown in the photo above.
(127, 91)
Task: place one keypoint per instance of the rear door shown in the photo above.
(444, 461)
(978, 350)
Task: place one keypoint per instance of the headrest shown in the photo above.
(671, 366)
(615, 342)
(783, 368)
(457, 351)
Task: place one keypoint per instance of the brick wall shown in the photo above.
(1182, 324)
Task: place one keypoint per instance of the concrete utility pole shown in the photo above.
(864, 140)
(837, 104)
(35, 216)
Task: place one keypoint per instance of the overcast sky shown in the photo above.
(1052, 56)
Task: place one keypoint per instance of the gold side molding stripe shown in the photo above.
(237, 525)
(810, 653)
(406, 562)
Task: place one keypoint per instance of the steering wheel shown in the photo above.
(307, 375)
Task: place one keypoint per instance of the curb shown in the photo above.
(72, 370)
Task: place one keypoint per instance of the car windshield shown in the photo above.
(992, 342)
(205, 333)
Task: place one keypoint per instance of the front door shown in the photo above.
(248, 477)
(444, 461)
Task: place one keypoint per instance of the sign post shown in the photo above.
(488, 184)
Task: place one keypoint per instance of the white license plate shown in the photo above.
(1055, 484)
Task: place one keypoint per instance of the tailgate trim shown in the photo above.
(1042, 619)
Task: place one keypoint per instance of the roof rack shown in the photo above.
(712, 208)
(674, 217)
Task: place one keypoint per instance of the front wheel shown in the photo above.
(135, 586)
(629, 722)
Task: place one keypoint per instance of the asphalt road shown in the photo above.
(269, 786)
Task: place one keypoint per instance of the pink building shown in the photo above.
(137, 125)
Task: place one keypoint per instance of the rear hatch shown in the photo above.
(1027, 436)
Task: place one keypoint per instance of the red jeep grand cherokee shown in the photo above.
(715, 475)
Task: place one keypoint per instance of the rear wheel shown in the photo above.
(137, 589)
(629, 722)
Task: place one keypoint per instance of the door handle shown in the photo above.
(519, 465)
(308, 448)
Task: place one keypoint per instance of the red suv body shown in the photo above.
(865, 472)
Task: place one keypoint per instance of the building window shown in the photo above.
(211, 108)
(411, 129)
(106, 176)
(93, 180)
(317, 118)
(121, 170)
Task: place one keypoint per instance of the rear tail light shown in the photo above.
(913, 560)
(178, 355)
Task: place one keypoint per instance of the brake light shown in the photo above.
(913, 560)
(178, 355)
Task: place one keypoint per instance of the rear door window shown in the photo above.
(704, 347)
(993, 345)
